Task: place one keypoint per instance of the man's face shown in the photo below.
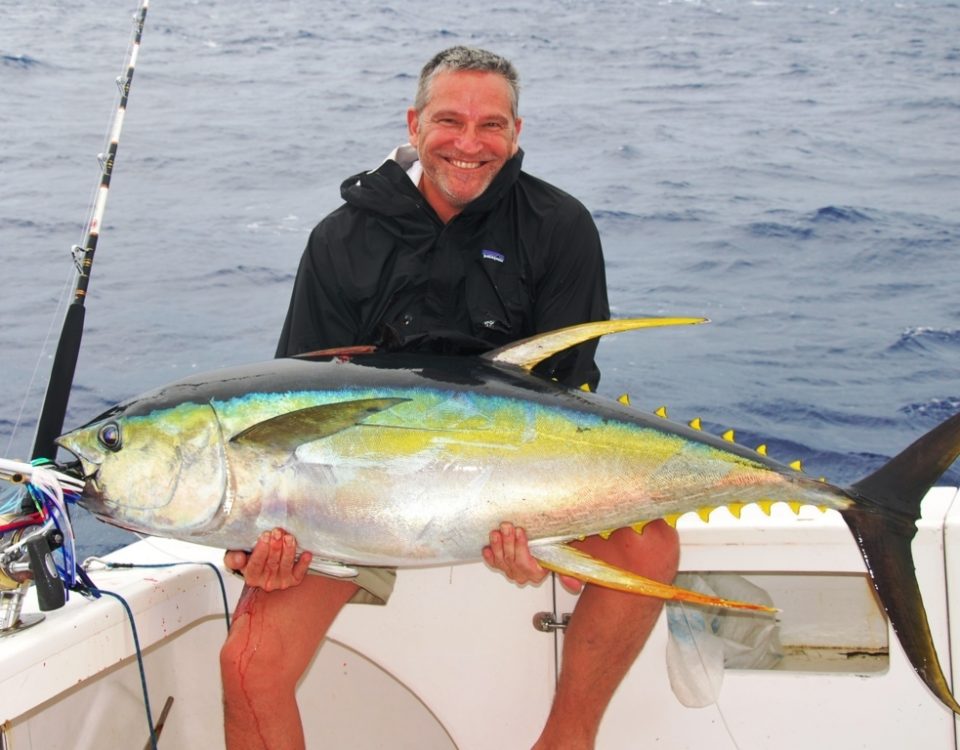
(464, 136)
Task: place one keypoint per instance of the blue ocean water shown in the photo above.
(790, 171)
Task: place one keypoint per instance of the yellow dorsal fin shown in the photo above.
(730, 436)
(624, 399)
(762, 449)
(530, 352)
(735, 509)
(661, 412)
(797, 465)
(696, 423)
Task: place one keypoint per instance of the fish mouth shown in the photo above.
(83, 467)
(87, 471)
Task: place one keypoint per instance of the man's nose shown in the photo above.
(469, 140)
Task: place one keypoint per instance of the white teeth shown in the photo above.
(465, 164)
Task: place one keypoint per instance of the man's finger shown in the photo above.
(301, 567)
(508, 541)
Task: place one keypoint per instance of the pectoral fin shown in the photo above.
(293, 429)
(572, 562)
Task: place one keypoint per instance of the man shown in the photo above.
(446, 247)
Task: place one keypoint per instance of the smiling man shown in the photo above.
(447, 247)
(464, 134)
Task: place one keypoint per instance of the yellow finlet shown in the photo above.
(730, 436)
(704, 514)
(585, 387)
(624, 399)
(672, 519)
(766, 506)
(735, 509)
(605, 534)
(696, 423)
(530, 352)
(795, 506)
(639, 527)
(661, 412)
(797, 465)
(762, 449)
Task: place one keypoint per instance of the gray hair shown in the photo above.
(461, 58)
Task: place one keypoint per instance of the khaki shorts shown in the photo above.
(376, 584)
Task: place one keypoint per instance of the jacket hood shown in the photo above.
(390, 188)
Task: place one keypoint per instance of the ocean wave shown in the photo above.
(628, 220)
(802, 226)
(932, 412)
(833, 214)
(23, 62)
(778, 230)
(924, 339)
(247, 274)
(936, 102)
(811, 415)
(612, 218)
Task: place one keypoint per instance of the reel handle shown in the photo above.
(51, 593)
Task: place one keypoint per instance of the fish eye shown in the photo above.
(109, 436)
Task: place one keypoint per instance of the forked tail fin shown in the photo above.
(883, 521)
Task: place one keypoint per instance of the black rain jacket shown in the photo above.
(522, 258)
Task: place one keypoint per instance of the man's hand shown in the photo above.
(509, 553)
(273, 564)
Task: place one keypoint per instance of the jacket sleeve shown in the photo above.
(571, 288)
(318, 316)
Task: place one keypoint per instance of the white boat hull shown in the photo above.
(455, 655)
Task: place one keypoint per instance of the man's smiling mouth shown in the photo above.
(466, 164)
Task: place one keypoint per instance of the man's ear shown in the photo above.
(413, 125)
(517, 125)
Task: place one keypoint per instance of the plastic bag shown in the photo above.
(705, 640)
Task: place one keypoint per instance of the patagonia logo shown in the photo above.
(493, 255)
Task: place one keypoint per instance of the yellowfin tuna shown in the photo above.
(407, 460)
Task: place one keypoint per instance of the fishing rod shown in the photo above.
(54, 408)
(41, 523)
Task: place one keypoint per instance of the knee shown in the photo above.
(654, 553)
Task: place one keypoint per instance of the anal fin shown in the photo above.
(568, 561)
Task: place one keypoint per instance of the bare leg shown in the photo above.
(606, 634)
(273, 637)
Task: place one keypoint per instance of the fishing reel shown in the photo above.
(26, 556)
(36, 542)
